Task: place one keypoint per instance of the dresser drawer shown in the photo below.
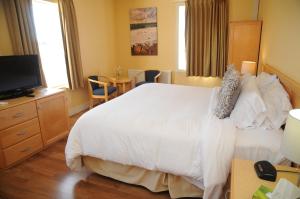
(23, 149)
(17, 114)
(19, 132)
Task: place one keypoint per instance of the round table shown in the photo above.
(122, 81)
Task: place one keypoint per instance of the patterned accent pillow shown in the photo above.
(228, 93)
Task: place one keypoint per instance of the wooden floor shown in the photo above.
(46, 175)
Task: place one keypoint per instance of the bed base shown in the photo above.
(154, 181)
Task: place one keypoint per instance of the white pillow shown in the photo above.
(249, 105)
(278, 105)
(264, 80)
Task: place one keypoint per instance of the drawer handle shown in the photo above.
(25, 150)
(21, 133)
(18, 115)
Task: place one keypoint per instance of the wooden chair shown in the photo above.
(151, 76)
(103, 90)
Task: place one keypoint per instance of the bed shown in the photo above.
(162, 142)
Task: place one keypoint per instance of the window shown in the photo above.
(50, 42)
(181, 38)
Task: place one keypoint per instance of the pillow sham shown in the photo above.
(249, 105)
(228, 93)
(277, 103)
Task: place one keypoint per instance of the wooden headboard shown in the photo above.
(290, 85)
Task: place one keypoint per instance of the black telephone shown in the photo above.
(265, 170)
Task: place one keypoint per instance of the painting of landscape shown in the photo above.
(143, 31)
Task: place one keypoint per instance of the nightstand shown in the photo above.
(244, 181)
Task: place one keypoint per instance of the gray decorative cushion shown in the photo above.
(228, 93)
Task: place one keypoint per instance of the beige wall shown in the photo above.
(5, 43)
(166, 58)
(280, 45)
(241, 10)
(96, 24)
(167, 36)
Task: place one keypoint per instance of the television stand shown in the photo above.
(16, 94)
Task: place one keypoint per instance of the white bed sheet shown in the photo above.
(259, 144)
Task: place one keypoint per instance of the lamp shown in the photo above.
(248, 67)
(291, 138)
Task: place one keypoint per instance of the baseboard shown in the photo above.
(78, 109)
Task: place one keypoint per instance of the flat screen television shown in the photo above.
(18, 75)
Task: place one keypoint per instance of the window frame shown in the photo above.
(178, 67)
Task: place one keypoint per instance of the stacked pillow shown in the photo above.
(249, 105)
(263, 102)
(276, 99)
(229, 93)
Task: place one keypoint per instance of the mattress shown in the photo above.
(259, 144)
(252, 144)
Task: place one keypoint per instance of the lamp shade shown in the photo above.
(291, 137)
(248, 67)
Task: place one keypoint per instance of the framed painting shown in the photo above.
(143, 31)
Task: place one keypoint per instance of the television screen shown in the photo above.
(19, 72)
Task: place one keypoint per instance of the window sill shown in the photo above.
(180, 71)
(63, 87)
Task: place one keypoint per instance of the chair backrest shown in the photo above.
(150, 75)
(93, 84)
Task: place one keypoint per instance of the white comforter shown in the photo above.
(160, 127)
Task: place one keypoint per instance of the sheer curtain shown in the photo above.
(71, 43)
(206, 37)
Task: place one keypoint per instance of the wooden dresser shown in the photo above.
(29, 124)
